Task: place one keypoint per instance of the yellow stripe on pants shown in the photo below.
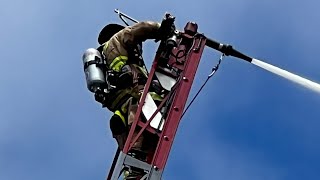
(121, 116)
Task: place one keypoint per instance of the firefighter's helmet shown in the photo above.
(108, 31)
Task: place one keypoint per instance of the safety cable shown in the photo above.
(213, 71)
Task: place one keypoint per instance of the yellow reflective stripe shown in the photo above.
(117, 65)
(121, 116)
(155, 96)
(118, 62)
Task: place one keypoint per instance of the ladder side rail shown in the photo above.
(178, 104)
(114, 162)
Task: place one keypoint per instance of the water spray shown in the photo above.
(230, 51)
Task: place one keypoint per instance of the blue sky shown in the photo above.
(247, 124)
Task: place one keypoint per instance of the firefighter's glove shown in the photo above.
(100, 97)
(167, 28)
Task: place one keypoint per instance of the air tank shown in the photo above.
(95, 77)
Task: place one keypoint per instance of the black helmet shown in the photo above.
(108, 31)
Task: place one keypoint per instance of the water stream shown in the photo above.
(288, 75)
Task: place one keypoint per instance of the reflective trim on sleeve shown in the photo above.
(118, 63)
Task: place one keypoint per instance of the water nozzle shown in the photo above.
(227, 49)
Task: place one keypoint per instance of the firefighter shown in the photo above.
(121, 48)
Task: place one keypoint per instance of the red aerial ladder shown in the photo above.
(174, 67)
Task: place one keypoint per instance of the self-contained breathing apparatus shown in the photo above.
(94, 69)
(105, 82)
